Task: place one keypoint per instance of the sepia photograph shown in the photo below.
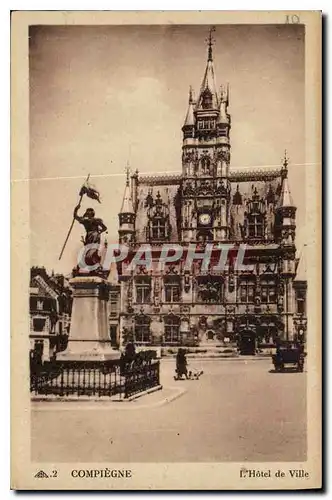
(171, 311)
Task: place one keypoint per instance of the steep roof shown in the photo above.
(223, 117)
(44, 287)
(286, 199)
(190, 120)
(301, 270)
(127, 202)
(209, 82)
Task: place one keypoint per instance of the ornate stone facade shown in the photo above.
(209, 203)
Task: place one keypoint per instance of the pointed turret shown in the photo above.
(127, 215)
(223, 115)
(208, 98)
(286, 209)
(190, 120)
(301, 266)
(286, 199)
(127, 202)
(224, 119)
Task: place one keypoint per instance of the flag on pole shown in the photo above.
(90, 191)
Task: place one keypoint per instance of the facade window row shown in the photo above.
(142, 329)
(208, 291)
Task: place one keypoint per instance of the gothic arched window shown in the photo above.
(158, 215)
(206, 99)
(158, 228)
(247, 289)
(255, 216)
(206, 164)
(209, 290)
(143, 289)
(172, 288)
(172, 329)
(204, 235)
(268, 290)
(142, 330)
(255, 225)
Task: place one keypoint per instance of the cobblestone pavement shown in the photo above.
(238, 411)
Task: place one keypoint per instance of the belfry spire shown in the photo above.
(210, 43)
(208, 98)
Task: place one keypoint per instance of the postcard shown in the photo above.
(166, 263)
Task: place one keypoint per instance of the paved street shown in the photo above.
(237, 411)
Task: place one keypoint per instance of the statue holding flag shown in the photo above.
(89, 326)
(93, 226)
(90, 191)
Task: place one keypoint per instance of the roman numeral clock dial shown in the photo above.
(204, 219)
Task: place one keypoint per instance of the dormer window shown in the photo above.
(158, 229)
(255, 217)
(255, 226)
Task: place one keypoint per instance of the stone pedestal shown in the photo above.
(89, 329)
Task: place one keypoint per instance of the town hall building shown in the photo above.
(210, 203)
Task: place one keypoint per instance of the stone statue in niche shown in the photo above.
(186, 282)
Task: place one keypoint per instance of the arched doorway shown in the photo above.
(210, 335)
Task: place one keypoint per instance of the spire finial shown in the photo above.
(127, 169)
(285, 160)
(210, 41)
(190, 94)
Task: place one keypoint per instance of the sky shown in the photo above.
(105, 96)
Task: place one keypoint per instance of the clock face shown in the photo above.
(205, 219)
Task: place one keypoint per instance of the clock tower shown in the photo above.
(205, 188)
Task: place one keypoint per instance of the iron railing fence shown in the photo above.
(123, 377)
(141, 378)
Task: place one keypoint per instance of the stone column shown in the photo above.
(89, 331)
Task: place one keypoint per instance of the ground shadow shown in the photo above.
(289, 370)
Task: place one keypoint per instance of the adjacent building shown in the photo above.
(50, 310)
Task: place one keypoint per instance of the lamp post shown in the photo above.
(286, 310)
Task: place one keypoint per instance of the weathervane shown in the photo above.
(210, 42)
(285, 160)
(127, 170)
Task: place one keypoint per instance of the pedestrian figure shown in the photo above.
(181, 364)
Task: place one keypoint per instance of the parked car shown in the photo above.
(289, 354)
